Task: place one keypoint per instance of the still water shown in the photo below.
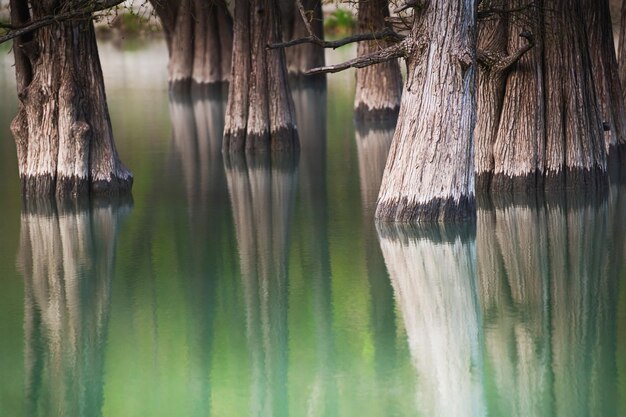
(264, 288)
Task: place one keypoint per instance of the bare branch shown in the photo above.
(386, 34)
(307, 24)
(398, 50)
(501, 63)
(86, 12)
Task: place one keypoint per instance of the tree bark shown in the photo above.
(429, 174)
(199, 40)
(62, 130)
(307, 56)
(378, 87)
(550, 132)
(606, 78)
(260, 116)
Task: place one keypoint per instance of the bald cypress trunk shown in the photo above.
(62, 130)
(378, 87)
(304, 57)
(429, 174)
(606, 75)
(550, 132)
(199, 39)
(259, 116)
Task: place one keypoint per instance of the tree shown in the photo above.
(378, 87)
(550, 132)
(256, 122)
(199, 40)
(298, 23)
(429, 174)
(62, 130)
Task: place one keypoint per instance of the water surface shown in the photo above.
(262, 286)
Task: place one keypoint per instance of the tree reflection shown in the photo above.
(262, 190)
(67, 257)
(548, 283)
(432, 270)
(373, 141)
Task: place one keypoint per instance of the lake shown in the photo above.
(263, 287)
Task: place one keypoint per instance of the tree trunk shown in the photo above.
(606, 76)
(378, 87)
(62, 130)
(199, 40)
(550, 133)
(429, 174)
(259, 115)
(575, 152)
(307, 56)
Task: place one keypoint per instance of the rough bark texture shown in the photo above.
(606, 75)
(67, 258)
(304, 57)
(378, 87)
(199, 36)
(433, 275)
(550, 132)
(429, 174)
(62, 130)
(259, 115)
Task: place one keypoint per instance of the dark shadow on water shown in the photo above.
(67, 258)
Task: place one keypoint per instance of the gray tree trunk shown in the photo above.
(62, 130)
(259, 116)
(378, 87)
(199, 39)
(429, 174)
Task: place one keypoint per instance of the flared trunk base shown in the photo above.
(434, 210)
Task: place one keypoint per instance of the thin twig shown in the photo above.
(386, 34)
(398, 50)
(48, 20)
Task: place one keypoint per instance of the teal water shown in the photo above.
(264, 288)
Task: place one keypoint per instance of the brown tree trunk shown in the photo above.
(550, 133)
(429, 174)
(605, 72)
(199, 40)
(259, 115)
(62, 130)
(378, 87)
(304, 57)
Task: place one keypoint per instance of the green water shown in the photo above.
(263, 287)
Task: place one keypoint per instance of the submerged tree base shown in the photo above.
(364, 114)
(435, 210)
(74, 186)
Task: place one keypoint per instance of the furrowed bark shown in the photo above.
(304, 57)
(378, 87)
(575, 151)
(429, 176)
(518, 145)
(606, 76)
(199, 39)
(62, 130)
(260, 115)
